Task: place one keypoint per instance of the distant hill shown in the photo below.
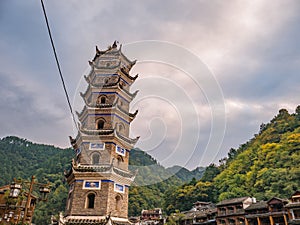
(185, 174)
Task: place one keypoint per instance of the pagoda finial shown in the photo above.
(73, 142)
(115, 44)
(97, 50)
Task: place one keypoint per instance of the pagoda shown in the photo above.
(99, 178)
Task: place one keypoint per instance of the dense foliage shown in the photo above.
(20, 158)
(268, 165)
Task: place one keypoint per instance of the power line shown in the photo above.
(58, 65)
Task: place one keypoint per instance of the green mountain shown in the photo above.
(268, 165)
(185, 174)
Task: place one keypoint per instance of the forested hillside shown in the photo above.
(268, 165)
(20, 158)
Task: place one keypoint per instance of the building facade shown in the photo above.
(151, 216)
(271, 212)
(293, 209)
(202, 213)
(99, 178)
(232, 211)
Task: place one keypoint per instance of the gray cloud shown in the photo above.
(251, 47)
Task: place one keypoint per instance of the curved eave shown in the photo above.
(68, 173)
(131, 95)
(128, 140)
(113, 50)
(130, 62)
(84, 95)
(97, 132)
(125, 71)
(122, 173)
(92, 168)
(105, 169)
(130, 115)
(81, 114)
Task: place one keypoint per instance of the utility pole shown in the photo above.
(28, 200)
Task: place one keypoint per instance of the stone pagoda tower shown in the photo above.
(99, 178)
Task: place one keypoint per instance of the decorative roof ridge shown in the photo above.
(131, 115)
(80, 114)
(124, 173)
(279, 199)
(99, 53)
(83, 95)
(232, 200)
(125, 70)
(114, 46)
(70, 171)
(93, 168)
(132, 95)
(97, 132)
(127, 139)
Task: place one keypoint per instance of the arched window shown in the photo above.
(90, 201)
(118, 202)
(120, 127)
(120, 159)
(103, 100)
(100, 124)
(95, 158)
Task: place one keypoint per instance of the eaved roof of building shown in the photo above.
(257, 205)
(232, 201)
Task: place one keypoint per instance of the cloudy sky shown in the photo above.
(217, 70)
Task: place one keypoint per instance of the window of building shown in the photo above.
(95, 158)
(120, 127)
(90, 201)
(120, 160)
(103, 100)
(100, 124)
(118, 202)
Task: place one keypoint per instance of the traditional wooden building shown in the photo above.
(99, 178)
(202, 213)
(293, 209)
(151, 214)
(232, 211)
(267, 212)
(205, 217)
(13, 208)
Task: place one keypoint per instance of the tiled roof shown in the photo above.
(292, 204)
(257, 205)
(232, 201)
